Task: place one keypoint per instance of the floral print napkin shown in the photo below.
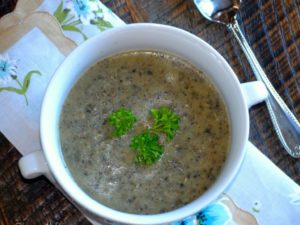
(260, 194)
(26, 67)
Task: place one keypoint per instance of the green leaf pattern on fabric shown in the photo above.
(294, 197)
(102, 24)
(8, 73)
(75, 29)
(60, 14)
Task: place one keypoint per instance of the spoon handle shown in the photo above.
(285, 123)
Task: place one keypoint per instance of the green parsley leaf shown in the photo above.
(122, 120)
(147, 147)
(165, 121)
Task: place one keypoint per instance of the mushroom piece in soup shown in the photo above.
(104, 165)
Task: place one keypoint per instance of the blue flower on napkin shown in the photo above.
(8, 68)
(215, 214)
(82, 8)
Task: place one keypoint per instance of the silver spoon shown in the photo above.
(285, 123)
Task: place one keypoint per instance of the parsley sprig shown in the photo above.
(165, 121)
(146, 144)
(122, 120)
(147, 148)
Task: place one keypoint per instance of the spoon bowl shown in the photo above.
(220, 11)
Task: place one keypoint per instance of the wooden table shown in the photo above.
(272, 27)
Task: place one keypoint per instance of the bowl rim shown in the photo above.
(97, 208)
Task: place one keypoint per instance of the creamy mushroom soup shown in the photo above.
(104, 166)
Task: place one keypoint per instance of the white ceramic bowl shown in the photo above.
(162, 38)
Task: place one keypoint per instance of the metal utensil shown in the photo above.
(285, 123)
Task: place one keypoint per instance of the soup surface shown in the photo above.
(103, 165)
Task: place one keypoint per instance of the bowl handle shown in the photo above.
(34, 165)
(254, 92)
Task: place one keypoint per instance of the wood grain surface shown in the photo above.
(272, 27)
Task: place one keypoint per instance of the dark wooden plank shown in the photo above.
(7, 6)
(272, 28)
